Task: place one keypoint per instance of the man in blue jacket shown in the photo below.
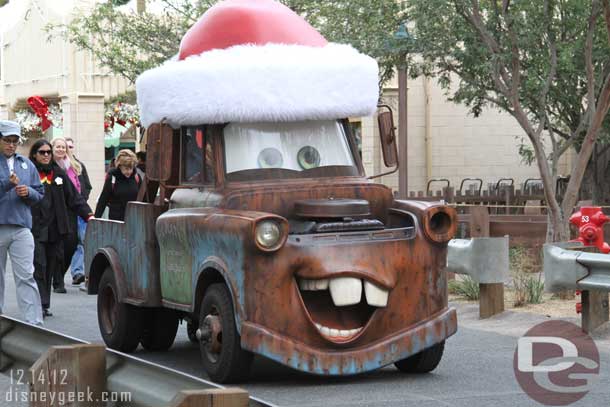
(20, 188)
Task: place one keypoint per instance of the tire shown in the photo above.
(424, 361)
(230, 363)
(120, 323)
(159, 329)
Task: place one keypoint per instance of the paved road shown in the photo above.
(475, 371)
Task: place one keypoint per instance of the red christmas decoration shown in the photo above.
(590, 221)
(41, 108)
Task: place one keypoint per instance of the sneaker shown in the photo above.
(46, 313)
(60, 290)
(78, 279)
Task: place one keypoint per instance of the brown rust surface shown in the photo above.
(280, 198)
(411, 269)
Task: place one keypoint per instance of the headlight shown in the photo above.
(268, 234)
(440, 223)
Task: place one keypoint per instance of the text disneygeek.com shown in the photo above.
(19, 385)
(61, 398)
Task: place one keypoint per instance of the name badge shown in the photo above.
(24, 166)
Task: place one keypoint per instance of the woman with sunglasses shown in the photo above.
(64, 157)
(50, 219)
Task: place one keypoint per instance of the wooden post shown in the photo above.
(491, 297)
(594, 309)
(229, 397)
(69, 376)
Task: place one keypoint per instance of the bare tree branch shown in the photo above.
(514, 51)
(586, 150)
(607, 17)
(589, 58)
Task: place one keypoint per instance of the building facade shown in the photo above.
(444, 141)
(31, 65)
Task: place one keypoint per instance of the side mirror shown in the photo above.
(387, 135)
(159, 152)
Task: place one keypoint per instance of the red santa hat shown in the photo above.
(257, 61)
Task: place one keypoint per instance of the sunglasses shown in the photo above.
(13, 142)
(44, 152)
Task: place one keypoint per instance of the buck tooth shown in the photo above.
(325, 331)
(322, 284)
(345, 290)
(375, 296)
(344, 333)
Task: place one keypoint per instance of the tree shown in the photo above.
(546, 63)
(130, 43)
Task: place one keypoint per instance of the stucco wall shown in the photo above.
(31, 65)
(461, 146)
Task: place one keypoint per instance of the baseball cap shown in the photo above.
(9, 128)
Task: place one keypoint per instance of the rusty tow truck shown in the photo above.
(267, 238)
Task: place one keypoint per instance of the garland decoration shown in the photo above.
(122, 114)
(38, 117)
(41, 109)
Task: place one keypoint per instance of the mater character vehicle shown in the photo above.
(256, 223)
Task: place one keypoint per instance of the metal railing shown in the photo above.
(150, 384)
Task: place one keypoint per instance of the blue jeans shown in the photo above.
(77, 266)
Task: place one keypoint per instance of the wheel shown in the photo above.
(191, 330)
(120, 323)
(222, 356)
(424, 361)
(159, 329)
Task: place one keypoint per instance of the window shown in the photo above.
(297, 149)
(197, 157)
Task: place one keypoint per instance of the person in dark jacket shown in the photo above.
(75, 251)
(121, 186)
(51, 221)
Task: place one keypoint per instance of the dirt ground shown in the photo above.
(551, 306)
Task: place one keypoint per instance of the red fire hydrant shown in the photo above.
(590, 221)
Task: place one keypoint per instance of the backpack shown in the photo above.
(139, 176)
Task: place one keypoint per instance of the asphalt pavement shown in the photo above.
(476, 370)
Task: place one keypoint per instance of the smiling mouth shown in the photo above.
(341, 307)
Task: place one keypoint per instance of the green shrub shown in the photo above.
(466, 287)
(529, 288)
(535, 289)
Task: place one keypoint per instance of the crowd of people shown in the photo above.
(44, 214)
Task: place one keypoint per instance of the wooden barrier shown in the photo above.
(69, 376)
(491, 296)
(75, 376)
(230, 397)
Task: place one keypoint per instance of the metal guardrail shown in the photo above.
(485, 259)
(150, 384)
(566, 268)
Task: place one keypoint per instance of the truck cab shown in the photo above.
(268, 238)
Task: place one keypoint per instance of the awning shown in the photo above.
(114, 139)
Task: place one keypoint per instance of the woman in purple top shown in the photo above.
(66, 161)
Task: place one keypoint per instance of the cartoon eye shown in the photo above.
(270, 158)
(308, 157)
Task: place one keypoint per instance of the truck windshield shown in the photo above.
(287, 150)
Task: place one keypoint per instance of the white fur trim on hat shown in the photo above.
(248, 83)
